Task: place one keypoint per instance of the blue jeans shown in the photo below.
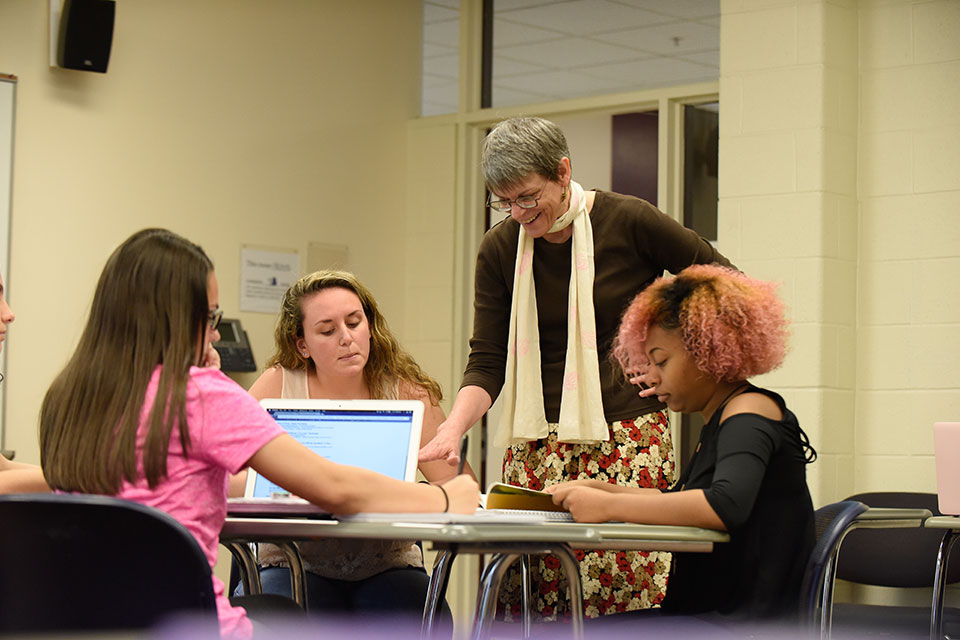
(394, 591)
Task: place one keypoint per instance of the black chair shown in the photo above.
(893, 557)
(92, 563)
(832, 523)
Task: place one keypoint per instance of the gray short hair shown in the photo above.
(518, 147)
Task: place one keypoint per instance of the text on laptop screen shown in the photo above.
(376, 440)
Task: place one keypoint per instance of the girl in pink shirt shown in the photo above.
(154, 316)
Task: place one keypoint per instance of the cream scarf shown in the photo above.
(581, 404)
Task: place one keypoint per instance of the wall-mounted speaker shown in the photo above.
(86, 34)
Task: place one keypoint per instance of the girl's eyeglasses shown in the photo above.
(213, 319)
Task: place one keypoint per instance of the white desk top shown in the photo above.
(619, 536)
(942, 522)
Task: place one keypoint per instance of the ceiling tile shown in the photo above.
(686, 9)
(435, 13)
(584, 17)
(429, 80)
(707, 58)
(450, 4)
(504, 67)
(446, 33)
(431, 50)
(503, 6)
(557, 85)
(667, 39)
(653, 72)
(507, 33)
(446, 66)
(503, 97)
(567, 53)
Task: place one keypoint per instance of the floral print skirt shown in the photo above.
(638, 454)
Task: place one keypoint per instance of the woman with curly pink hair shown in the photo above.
(692, 340)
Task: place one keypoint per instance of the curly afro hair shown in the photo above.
(732, 325)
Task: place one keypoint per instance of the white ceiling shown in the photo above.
(555, 49)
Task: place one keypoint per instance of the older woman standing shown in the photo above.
(551, 283)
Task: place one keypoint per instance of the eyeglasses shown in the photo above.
(524, 202)
(214, 318)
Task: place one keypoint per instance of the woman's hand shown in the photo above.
(590, 483)
(641, 378)
(585, 503)
(463, 493)
(444, 446)
(471, 403)
(211, 358)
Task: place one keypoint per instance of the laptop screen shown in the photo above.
(379, 435)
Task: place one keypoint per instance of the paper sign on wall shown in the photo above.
(265, 276)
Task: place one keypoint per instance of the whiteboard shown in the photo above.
(8, 102)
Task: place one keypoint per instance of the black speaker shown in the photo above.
(86, 34)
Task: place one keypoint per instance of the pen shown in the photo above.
(463, 455)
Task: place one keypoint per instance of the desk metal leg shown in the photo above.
(525, 597)
(487, 596)
(249, 575)
(436, 591)
(571, 566)
(493, 576)
(940, 583)
(298, 577)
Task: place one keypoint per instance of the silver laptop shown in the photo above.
(379, 435)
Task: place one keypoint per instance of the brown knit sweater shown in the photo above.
(634, 243)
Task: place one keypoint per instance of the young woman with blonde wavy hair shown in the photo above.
(332, 341)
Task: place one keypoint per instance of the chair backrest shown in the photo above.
(832, 523)
(895, 557)
(81, 562)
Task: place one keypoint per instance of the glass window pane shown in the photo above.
(441, 57)
(701, 135)
(544, 51)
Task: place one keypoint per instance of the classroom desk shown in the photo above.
(951, 528)
(507, 541)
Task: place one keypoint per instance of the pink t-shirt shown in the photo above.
(227, 426)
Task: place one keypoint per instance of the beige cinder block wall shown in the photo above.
(908, 345)
(251, 122)
(788, 200)
(840, 177)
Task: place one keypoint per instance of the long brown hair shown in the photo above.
(150, 308)
(388, 362)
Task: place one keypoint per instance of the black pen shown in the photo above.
(463, 455)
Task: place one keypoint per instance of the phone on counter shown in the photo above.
(234, 347)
